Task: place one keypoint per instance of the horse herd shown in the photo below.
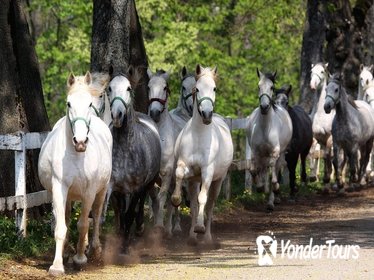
(103, 149)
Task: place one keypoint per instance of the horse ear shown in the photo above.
(259, 74)
(274, 74)
(184, 72)
(326, 65)
(289, 90)
(361, 67)
(149, 73)
(198, 69)
(110, 70)
(71, 79)
(215, 70)
(166, 76)
(312, 65)
(88, 78)
(371, 67)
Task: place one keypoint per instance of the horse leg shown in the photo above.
(181, 172)
(162, 196)
(139, 218)
(364, 160)
(213, 195)
(67, 222)
(291, 159)
(193, 190)
(177, 220)
(327, 167)
(59, 197)
(97, 207)
(314, 160)
(128, 219)
(303, 175)
(206, 180)
(337, 168)
(169, 219)
(353, 170)
(106, 203)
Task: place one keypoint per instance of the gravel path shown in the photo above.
(348, 220)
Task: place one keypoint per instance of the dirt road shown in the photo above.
(348, 220)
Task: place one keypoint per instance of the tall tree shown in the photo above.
(340, 35)
(117, 41)
(21, 96)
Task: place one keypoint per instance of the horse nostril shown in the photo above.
(111, 115)
(75, 140)
(120, 115)
(85, 141)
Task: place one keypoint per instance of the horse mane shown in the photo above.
(336, 78)
(207, 71)
(79, 85)
(99, 83)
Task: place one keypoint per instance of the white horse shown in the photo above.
(75, 164)
(269, 133)
(368, 96)
(204, 152)
(158, 94)
(322, 122)
(366, 75)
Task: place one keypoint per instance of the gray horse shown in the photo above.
(136, 155)
(269, 132)
(352, 131)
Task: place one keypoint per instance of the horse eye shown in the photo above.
(110, 89)
(129, 89)
(214, 89)
(69, 104)
(197, 90)
(322, 72)
(336, 90)
(165, 88)
(148, 88)
(101, 96)
(183, 88)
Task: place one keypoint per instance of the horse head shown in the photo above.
(79, 104)
(188, 83)
(333, 90)
(318, 75)
(266, 90)
(205, 92)
(369, 92)
(366, 75)
(158, 93)
(120, 94)
(282, 95)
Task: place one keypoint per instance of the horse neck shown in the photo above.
(107, 118)
(343, 105)
(181, 107)
(321, 98)
(265, 121)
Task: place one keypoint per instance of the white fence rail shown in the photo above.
(20, 142)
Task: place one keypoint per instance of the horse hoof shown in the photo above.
(140, 230)
(176, 200)
(56, 271)
(312, 179)
(192, 241)
(270, 207)
(199, 229)
(79, 263)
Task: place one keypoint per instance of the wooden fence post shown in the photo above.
(20, 182)
(248, 177)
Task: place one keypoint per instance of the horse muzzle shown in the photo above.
(155, 115)
(264, 109)
(207, 117)
(118, 119)
(327, 107)
(80, 146)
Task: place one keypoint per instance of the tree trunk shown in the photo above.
(312, 49)
(349, 35)
(117, 41)
(21, 96)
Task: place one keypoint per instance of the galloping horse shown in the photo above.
(352, 131)
(136, 155)
(366, 75)
(75, 163)
(204, 152)
(322, 122)
(269, 133)
(302, 136)
(158, 94)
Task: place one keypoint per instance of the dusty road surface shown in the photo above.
(348, 220)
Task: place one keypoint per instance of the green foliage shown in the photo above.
(62, 46)
(236, 36)
(38, 241)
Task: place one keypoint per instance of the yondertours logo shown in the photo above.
(267, 249)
